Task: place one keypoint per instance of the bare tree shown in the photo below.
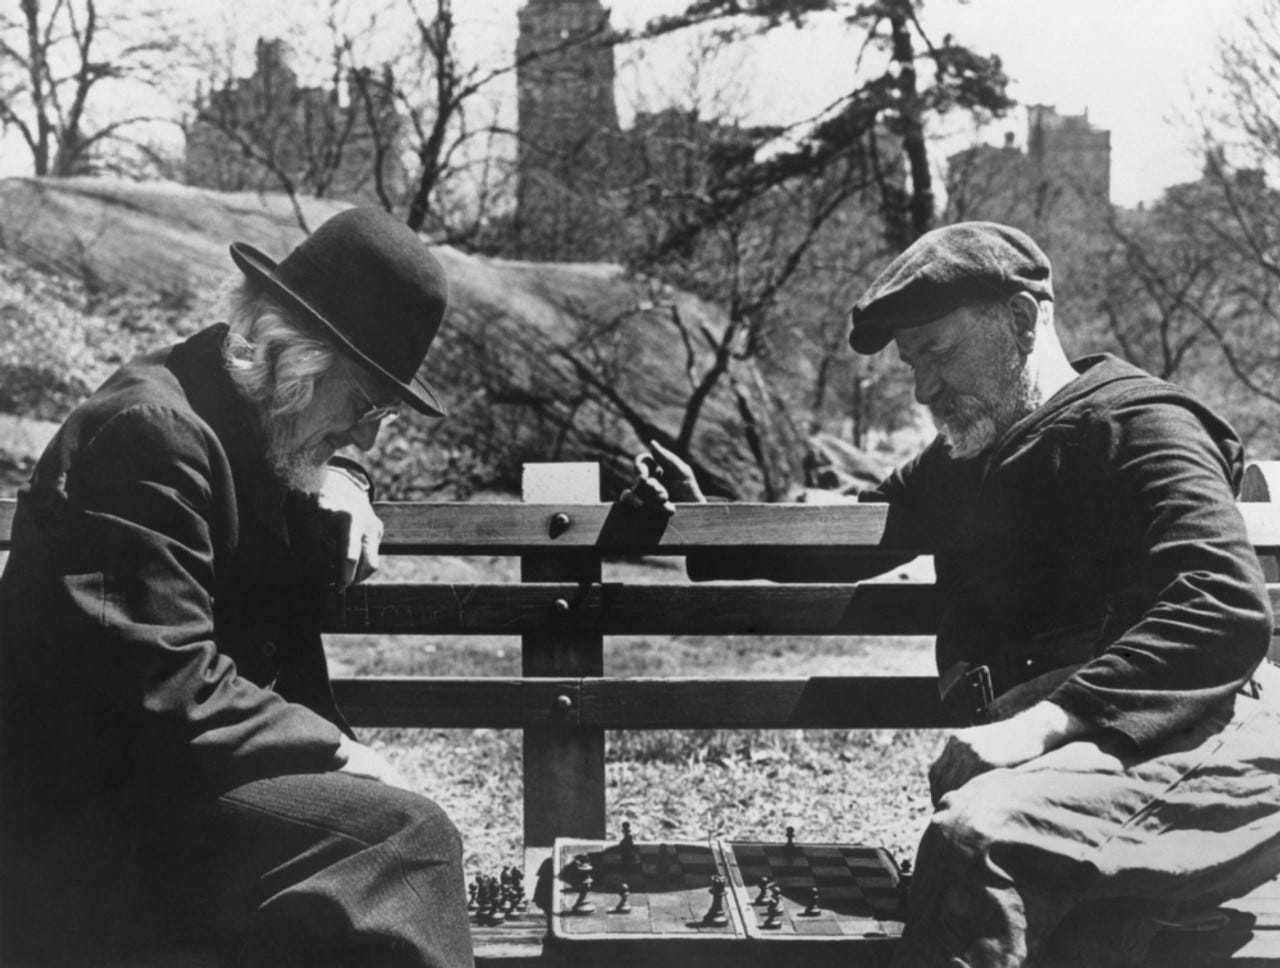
(60, 61)
(411, 129)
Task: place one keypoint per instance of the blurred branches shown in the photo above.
(62, 62)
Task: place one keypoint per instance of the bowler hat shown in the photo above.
(943, 270)
(365, 282)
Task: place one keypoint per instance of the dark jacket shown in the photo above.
(1107, 516)
(158, 630)
(1110, 513)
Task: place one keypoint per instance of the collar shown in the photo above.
(198, 366)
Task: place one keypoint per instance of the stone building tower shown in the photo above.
(1059, 187)
(568, 124)
(1072, 160)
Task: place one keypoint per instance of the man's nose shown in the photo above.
(926, 385)
(365, 433)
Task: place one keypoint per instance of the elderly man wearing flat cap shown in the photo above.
(172, 761)
(1103, 630)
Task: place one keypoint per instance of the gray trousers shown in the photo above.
(1016, 853)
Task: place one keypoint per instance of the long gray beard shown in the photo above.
(293, 467)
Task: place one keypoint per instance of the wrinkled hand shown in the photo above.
(662, 479)
(978, 749)
(359, 529)
(365, 762)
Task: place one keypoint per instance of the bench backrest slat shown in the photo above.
(426, 528)
(824, 702)
(620, 609)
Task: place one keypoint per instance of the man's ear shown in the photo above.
(1024, 314)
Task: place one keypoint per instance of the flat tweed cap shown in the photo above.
(943, 270)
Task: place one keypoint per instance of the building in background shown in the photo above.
(1059, 186)
(569, 139)
(266, 132)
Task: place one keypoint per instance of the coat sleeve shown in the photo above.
(146, 494)
(1201, 619)
(853, 565)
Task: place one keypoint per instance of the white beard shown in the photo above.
(969, 428)
(972, 424)
(295, 467)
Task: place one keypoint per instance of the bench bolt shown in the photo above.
(560, 523)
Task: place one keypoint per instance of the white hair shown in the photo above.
(269, 357)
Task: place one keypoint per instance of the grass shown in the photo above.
(848, 785)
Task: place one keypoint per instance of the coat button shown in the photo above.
(269, 649)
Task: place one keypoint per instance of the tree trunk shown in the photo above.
(910, 117)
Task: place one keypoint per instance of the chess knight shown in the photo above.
(1103, 631)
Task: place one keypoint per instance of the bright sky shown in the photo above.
(1131, 64)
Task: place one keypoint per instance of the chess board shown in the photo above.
(668, 892)
(859, 890)
(668, 884)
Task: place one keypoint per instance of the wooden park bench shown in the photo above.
(565, 702)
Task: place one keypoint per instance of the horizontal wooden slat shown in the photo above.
(831, 702)
(512, 528)
(834, 702)
(512, 608)
(618, 529)
(494, 703)
(612, 609)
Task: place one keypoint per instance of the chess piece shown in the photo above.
(716, 915)
(578, 868)
(811, 909)
(624, 899)
(791, 838)
(496, 914)
(628, 846)
(763, 896)
(517, 889)
(773, 913)
(583, 904)
(472, 904)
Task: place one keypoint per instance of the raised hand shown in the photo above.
(662, 480)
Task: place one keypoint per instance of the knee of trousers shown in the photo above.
(423, 824)
(980, 814)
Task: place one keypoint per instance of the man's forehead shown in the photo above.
(916, 339)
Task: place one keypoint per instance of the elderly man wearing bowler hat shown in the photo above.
(1103, 630)
(173, 764)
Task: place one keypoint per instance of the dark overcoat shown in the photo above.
(159, 637)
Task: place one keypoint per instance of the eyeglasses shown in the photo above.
(373, 412)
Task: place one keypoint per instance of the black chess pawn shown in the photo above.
(624, 899)
(483, 905)
(584, 905)
(763, 896)
(496, 914)
(791, 838)
(811, 909)
(472, 904)
(716, 915)
(773, 913)
(628, 846)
